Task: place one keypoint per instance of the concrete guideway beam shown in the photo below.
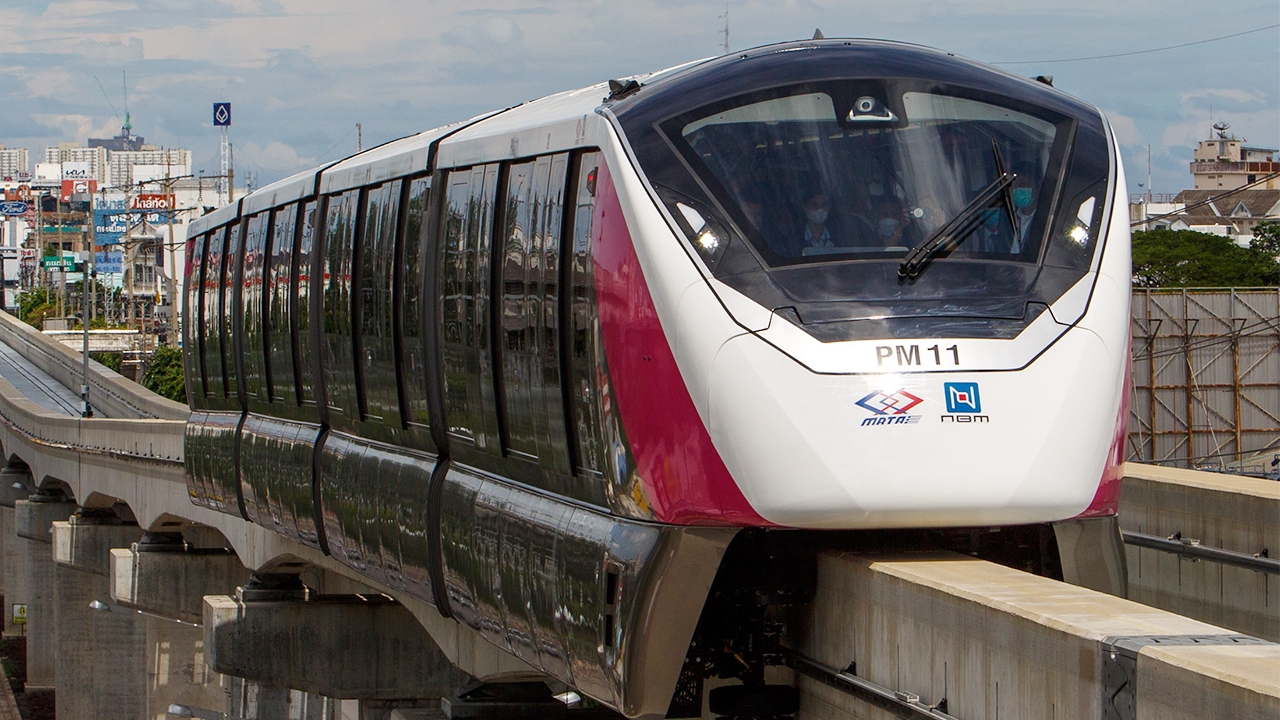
(1214, 510)
(995, 642)
(173, 584)
(346, 646)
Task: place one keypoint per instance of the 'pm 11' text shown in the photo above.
(911, 355)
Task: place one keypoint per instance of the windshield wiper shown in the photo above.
(959, 227)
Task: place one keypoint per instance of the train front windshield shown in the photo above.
(811, 188)
(810, 196)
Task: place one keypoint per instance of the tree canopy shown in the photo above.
(1184, 258)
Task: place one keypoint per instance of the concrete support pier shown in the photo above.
(14, 583)
(33, 524)
(161, 575)
(345, 646)
(101, 649)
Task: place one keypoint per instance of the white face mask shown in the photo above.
(817, 217)
(888, 226)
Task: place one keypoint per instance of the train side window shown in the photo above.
(229, 306)
(211, 316)
(336, 341)
(413, 400)
(279, 339)
(464, 278)
(529, 338)
(300, 279)
(256, 245)
(589, 396)
(193, 319)
(375, 342)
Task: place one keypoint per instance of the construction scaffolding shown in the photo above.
(1206, 378)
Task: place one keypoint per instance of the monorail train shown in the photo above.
(578, 371)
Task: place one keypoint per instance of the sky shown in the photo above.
(300, 74)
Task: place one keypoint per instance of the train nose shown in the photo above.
(912, 449)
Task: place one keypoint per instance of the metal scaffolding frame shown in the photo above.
(1206, 377)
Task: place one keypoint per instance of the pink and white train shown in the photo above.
(598, 374)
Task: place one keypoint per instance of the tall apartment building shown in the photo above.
(1225, 163)
(121, 164)
(66, 152)
(13, 163)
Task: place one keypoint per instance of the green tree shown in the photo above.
(1266, 239)
(34, 306)
(1183, 258)
(164, 375)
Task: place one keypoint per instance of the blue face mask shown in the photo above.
(888, 226)
(1021, 197)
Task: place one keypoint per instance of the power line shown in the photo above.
(1135, 52)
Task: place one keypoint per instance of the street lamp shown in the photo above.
(186, 711)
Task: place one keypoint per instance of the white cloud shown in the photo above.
(1125, 128)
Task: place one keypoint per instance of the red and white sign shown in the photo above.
(152, 202)
(78, 187)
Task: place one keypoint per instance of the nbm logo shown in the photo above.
(962, 397)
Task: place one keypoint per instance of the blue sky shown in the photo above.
(301, 74)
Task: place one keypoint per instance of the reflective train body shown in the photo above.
(542, 367)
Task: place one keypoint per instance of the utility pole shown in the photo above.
(359, 137)
(171, 199)
(86, 286)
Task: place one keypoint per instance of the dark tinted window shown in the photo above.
(336, 339)
(302, 282)
(589, 376)
(374, 305)
(211, 315)
(229, 306)
(279, 338)
(251, 286)
(464, 282)
(529, 337)
(193, 319)
(413, 363)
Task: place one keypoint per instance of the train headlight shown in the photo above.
(709, 241)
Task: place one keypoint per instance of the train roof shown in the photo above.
(226, 213)
(398, 158)
(294, 187)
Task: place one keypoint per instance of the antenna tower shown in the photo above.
(725, 44)
(224, 157)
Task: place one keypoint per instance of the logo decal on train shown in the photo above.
(964, 403)
(890, 408)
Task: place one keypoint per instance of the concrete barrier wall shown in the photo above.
(115, 394)
(1230, 512)
(998, 643)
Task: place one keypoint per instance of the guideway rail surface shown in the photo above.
(921, 628)
(946, 635)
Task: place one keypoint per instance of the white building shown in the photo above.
(1233, 216)
(94, 157)
(125, 165)
(13, 163)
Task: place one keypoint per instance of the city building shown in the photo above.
(94, 159)
(13, 163)
(1224, 162)
(129, 167)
